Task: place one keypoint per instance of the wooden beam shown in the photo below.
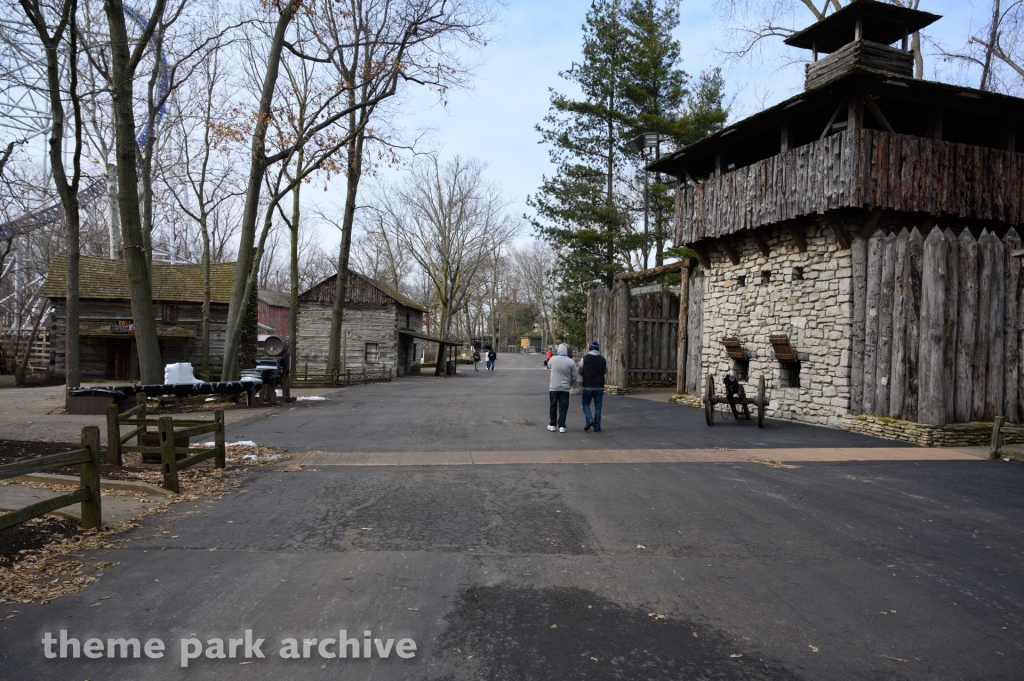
(718, 164)
(784, 139)
(798, 237)
(688, 175)
(761, 243)
(877, 113)
(855, 112)
(871, 223)
(1010, 135)
(828, 126)
(1019, 253)
(729, 251)
(935, 122)
(842, 237)
(653, 272)
(702, 256)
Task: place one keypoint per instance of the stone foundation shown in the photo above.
(687, 401)
(954, 435)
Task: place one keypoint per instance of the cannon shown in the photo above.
(736, 397)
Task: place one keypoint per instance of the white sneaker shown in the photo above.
(561, 430)
(551, 428)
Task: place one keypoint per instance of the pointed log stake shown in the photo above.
(996, 311)
(885, 329)
(967, 321)
(951, 324)
(859, 259)
(915, 249)
(986, 266)
(931, 401)
(901, 284)
(876, 247)
(1011, 356)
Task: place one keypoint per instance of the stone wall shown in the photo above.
(952, 435)
(812, 306)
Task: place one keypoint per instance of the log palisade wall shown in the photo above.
(939, 327)
(856, 169)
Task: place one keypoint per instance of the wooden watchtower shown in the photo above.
(855, 239)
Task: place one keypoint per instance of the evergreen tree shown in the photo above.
(630, 82)
(579, 211)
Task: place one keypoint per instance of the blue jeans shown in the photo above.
(597, 395)
(559, 407)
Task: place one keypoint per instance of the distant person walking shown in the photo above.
(593, 369)
(548, 358)
(492, 358)
(563, 375)
(476, 360)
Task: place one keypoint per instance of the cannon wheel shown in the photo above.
(709, 400)
(761, 403)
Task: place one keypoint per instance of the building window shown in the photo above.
(170, 315)
(798, 273)
(372, 353)
(766, 276)
(741, 370)
(741, 280)
(789, 374)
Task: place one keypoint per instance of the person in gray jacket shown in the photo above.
(563, 375)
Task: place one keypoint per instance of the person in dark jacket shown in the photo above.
(476, 360)
(492, 358)
(593, 369)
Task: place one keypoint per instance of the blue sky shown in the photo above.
(535, 39)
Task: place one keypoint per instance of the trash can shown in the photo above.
(449, 369)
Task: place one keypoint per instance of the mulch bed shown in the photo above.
(32, 535)
(17, 450)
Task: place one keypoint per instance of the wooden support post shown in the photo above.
(168, 460)
(702, 256)
(695, 333)
(729, 250)
(967, 318)
(997, 438)
(877, 113)
(784, 144)
(684, 307)
(901, 286)
(619, 359)
(871, 224)
(859, 258)
(220, 458)
(797, 233)
(140, 401)
(89, 479)
(762, 244)
(1010, 135)
(718, 164)
(855, 112)
(931, 401)
(842, 237)
(113, 435)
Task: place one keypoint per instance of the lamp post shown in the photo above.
(640, 144)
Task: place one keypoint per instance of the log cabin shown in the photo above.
(382, 329)
(854, 241)
(107, 341)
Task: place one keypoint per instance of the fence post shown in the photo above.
(221, 455)
(113, 436)
(140, 401)
(997, 438)
(348, 377)
(89, 478)
(364, 375)
(167, 456)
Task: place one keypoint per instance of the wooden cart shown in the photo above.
(738, 402)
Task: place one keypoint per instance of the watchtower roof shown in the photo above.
(880, 22)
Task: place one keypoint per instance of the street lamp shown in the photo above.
(640, 144)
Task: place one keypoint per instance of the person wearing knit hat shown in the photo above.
(593, 369)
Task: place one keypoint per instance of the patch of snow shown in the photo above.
(310, 398)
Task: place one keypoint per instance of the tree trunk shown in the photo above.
(140, 287)
(355, 170)
(206, 304)
(293, 289)
(253, 195)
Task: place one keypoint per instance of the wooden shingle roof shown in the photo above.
(102, 279)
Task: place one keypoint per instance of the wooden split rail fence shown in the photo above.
(997, 451)
(170, 433)
(88, 494)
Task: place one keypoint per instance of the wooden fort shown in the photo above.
(855, 242)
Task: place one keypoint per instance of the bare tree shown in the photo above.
(450, 220)
(536, 264)
(994, 52)
(56, 28)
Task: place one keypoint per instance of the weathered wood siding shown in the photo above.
(361, 325)
(856, 169)
(93, 349)
(359, 291)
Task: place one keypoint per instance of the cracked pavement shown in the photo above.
(904, 569)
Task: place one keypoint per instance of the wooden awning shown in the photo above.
(422, 336)
(783, 350)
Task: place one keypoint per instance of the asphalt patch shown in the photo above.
(509, 633)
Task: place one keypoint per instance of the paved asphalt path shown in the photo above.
(865, 570)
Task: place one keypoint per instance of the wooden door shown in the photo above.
(119, 359)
